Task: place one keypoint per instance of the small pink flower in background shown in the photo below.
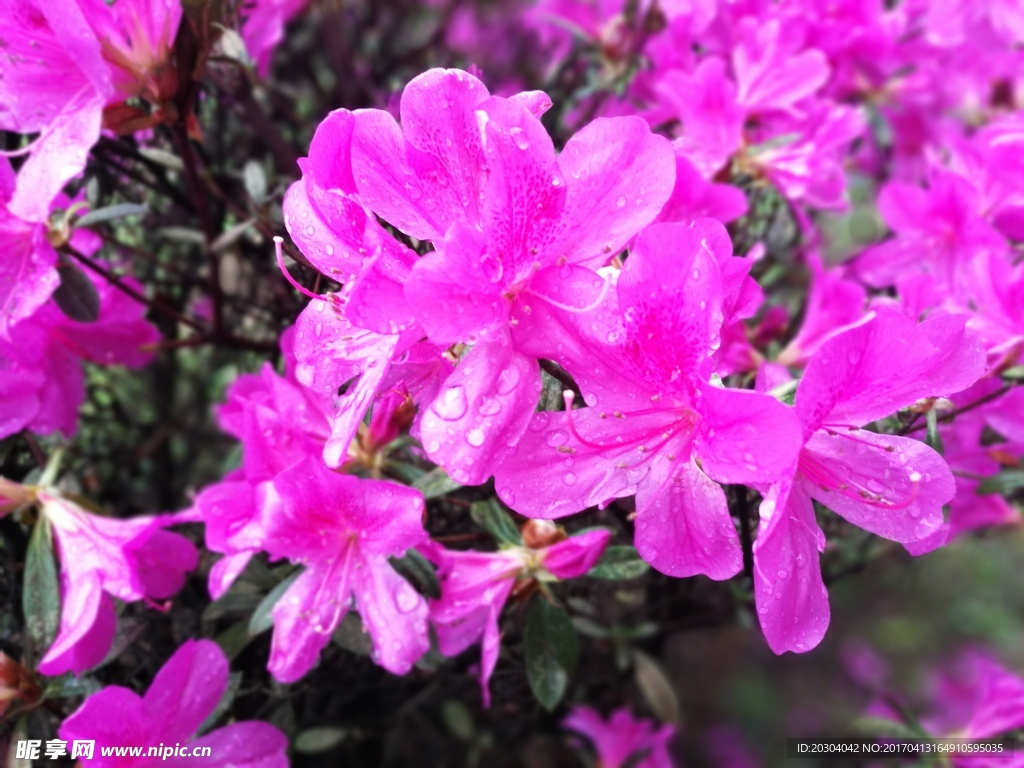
(41, 360)
(973, 458)
(833, 304)
(476, 585)
(102, 558)
(890, 485)
(183, 694)
(263, 27)
(654, 426)
(975, 697)
(342, 530)
(619, 739)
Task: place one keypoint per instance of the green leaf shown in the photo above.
(435, 483)
(933, 439)
(491, 516)
(418, 571)
(458, 720)
(551, 650)
(230, 236)
(351, 635)
(654, 685)
(550, 393)
(321, 739)
(255, 180)
(262, 617)
(620, 561)
(226, 700)
(1006, 482)
(76, 296)
(68, 686)
(1016, 373)
(41, 594)
(884, 728)
(111, 212)
(234, 639)
(162, 157)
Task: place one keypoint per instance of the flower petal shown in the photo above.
(683, 527)
(792, 604)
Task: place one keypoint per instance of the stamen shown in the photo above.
(579, 310)
(278, 240)
(569, 397)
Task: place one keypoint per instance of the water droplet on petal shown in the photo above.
(451, 404)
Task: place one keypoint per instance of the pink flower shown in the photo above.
(279, 423)
(343, 530)
(972, 457)
(655, 426)
(63, 63)
(518, 233)
(832, 305)
(889, 485)
(940, 236)
(620, 739)
(976, 698)
(330, 350)
(183, 694)
(476, 585)
(28, 271)
(42, 360)
(263, 27)
(102, 558)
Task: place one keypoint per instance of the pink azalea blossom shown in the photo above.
(279, 423)
(42, 360)
(476, 585)
(342, 530)
(28, 271)
(654, 425)
(971, 458)
(941, 238)
(263, 27)
(63, 64)
(975, 698)
(621, 738)
(183, 694)
(833, 304)
(100, 559)
(889, 485)
(518, 232)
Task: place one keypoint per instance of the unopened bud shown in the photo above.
(538, 534)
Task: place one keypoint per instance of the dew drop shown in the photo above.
(519, 137)
(451, 404)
